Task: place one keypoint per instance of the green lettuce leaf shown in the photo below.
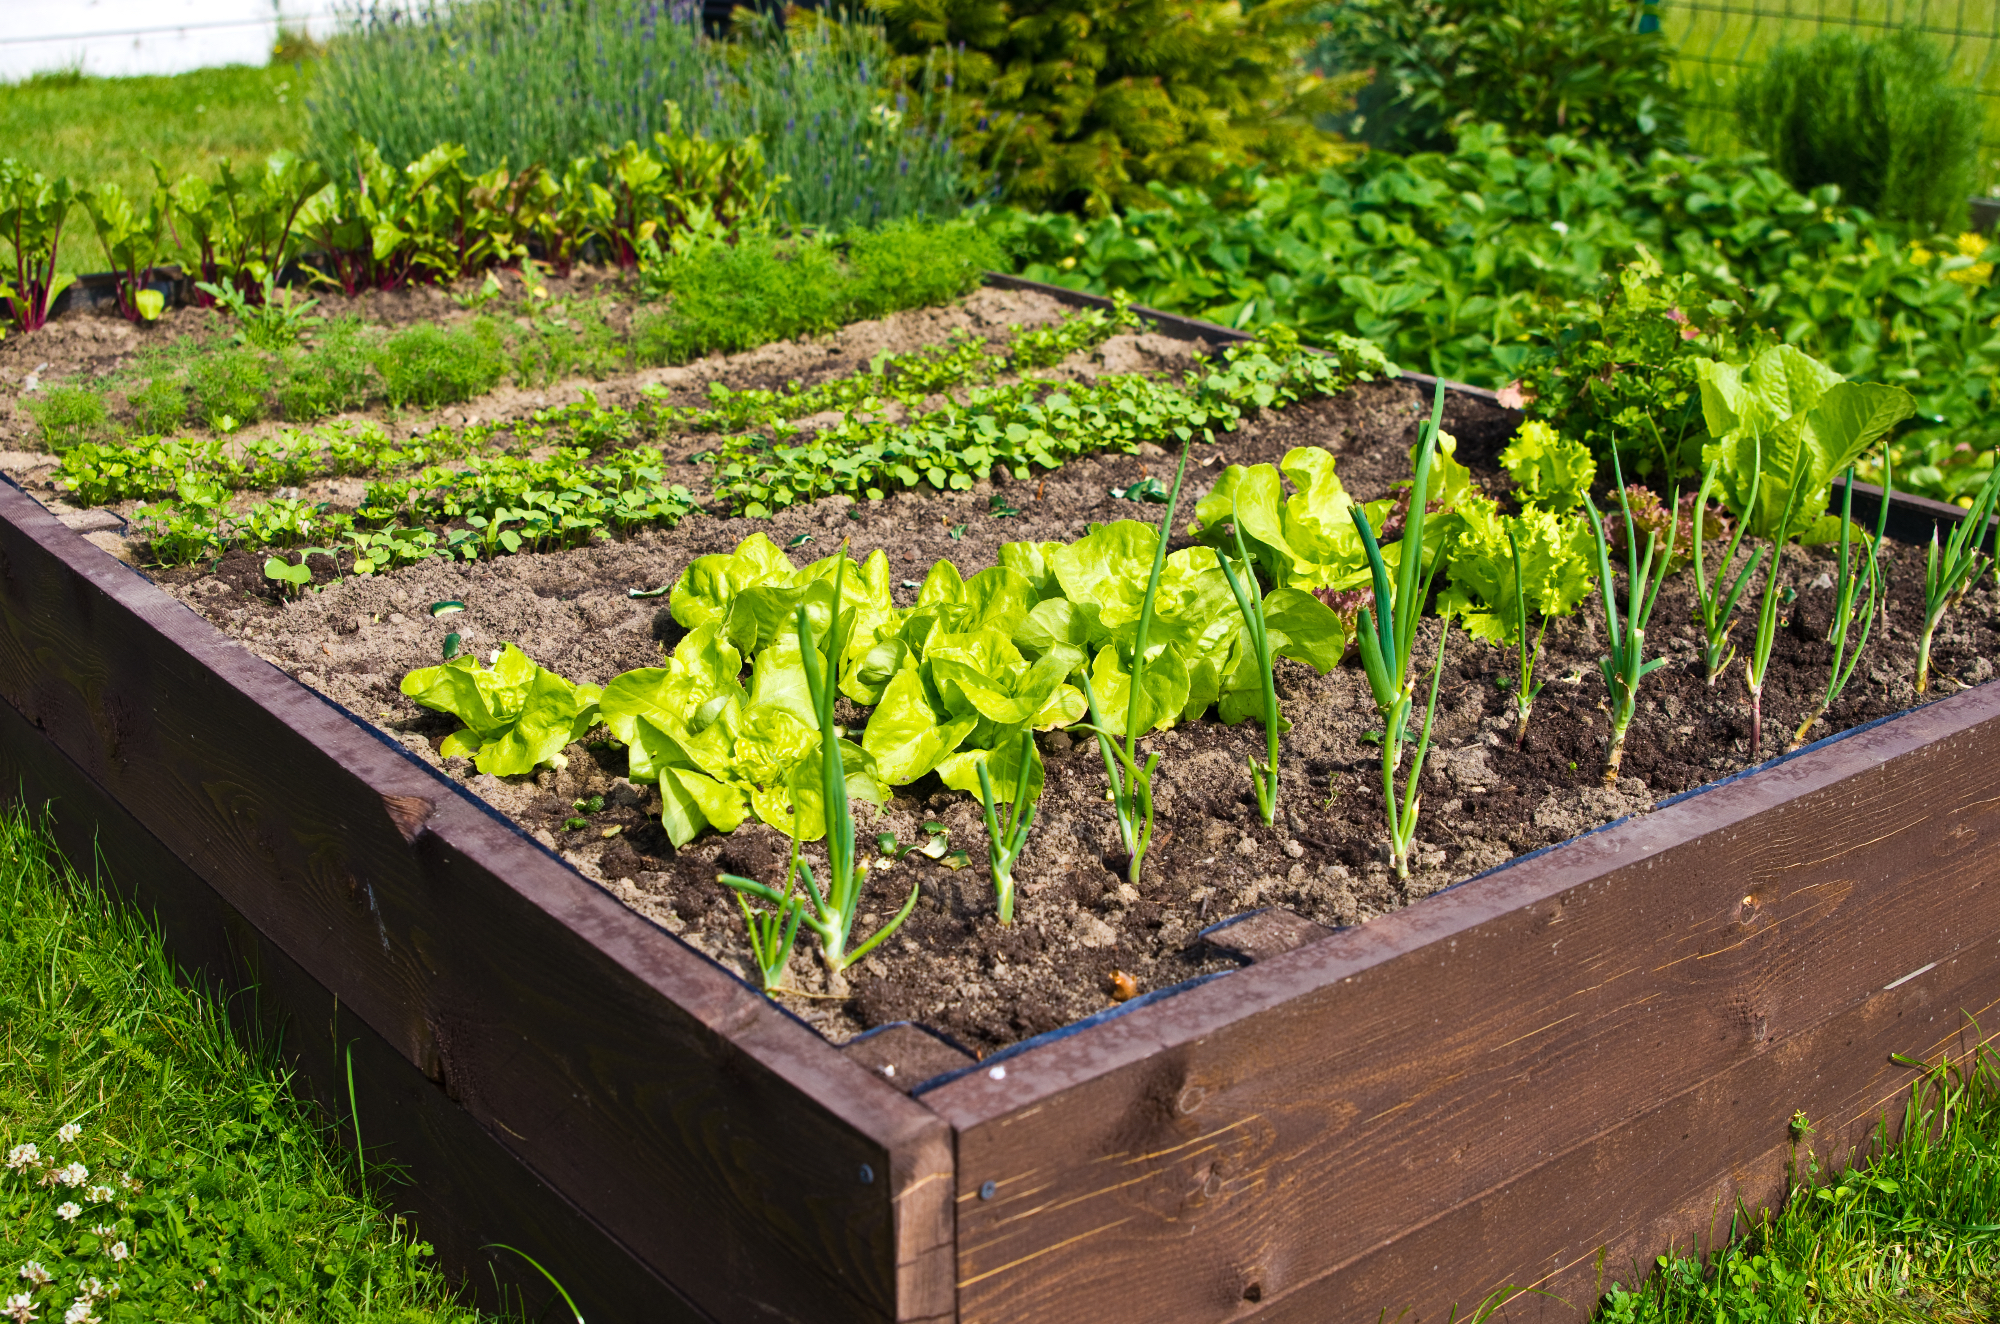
(1550, 471)
(517, 715)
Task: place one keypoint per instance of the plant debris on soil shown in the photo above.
(1084, 939)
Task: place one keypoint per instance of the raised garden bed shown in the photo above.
(1539, 1077)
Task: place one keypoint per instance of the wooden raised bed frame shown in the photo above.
(1538, 1078)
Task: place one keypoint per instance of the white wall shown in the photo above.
(113, 37)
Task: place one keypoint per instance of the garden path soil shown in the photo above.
(1082, 936)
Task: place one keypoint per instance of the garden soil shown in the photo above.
(1084, 938)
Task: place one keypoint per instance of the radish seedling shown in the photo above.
(1949, 574)
(829, 913)
(1388, 633)
(1006, 839)
(1626, 665)
(1250, 601)
(1845, 618)
(1131, 784)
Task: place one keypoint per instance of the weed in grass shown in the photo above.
(228, 386)
(200, 1188)
(428, 365)
(160, 406)
(68, 415)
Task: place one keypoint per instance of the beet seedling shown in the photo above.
(1626, 665)
(1949, 574)
(1852, 573)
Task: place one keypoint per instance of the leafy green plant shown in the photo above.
(229, 384)
(1079, 104)
(335, 375)
(293, 579)
(773, 933)
(1855, 571)
(1949, 572)
(32, 212)
(1387, 633)
(1578, 67)
(518, 716)
(68, 414)
(428, 365)
(160, 406)
(831, 913)
(1130, 784)
(1625, 665)
(132, 242)
(1007, 833)
(273, 319)
(1884, 120)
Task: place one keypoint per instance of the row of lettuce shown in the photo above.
(1113, 636)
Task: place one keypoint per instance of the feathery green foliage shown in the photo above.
(1881, 119)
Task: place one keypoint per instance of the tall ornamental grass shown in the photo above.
(549, 81)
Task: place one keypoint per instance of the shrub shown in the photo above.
(160, 406)
(68, 414)
(428, 365)
(229, 384)
(1579, 67)
(1078, 104)
(1880, 119)
(332, 376)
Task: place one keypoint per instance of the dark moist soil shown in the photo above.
(1084, 938)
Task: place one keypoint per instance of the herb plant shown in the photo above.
(1949, 572)
(1841, 631)
(1625, 665)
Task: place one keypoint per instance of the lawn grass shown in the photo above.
(109, 130)
(208, 1192)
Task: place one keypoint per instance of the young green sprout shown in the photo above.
(1948, 575)
(1853, 572)
(829, 913)
(1007, 836)
(1759, 661)
(774, 932)
(1250, 601)
(1715, 607)
(1524, 697)
(1626, 665)
(1388, 634)
(1131, 784)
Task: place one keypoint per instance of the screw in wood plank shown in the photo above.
(998, 1073)
(867, 1175)
(988, 1190)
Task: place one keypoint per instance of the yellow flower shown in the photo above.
(1979, 273)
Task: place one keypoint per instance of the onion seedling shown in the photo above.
(1250, 601)
(1947, 576)
(1131, 784)
(1006, 839)
(1759, 661)
(1524, 697)
(1715, 607)
(1388, 633)
(1853, 572)
(1626, 665)
(831, 913)
(773, 932)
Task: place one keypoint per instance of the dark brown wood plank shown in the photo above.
(1398, 1071)
(465, 1191)
(722, 1141)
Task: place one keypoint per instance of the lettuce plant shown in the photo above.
(1950, 572)
(1388, 633)
(1550, 471)
(1854, 572)
(518, 715)
(829, 913)
(1626, 665)
(1007, 837)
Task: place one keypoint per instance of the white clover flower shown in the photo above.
(129, 1182)
(68, 1132)
(68, 1210)
(35, 1273)
(20, 1308)
(79, 1312)
(117, 1251)
(74, 1175)
(103, 1230)
(91, 1288)
(102, 1195)
(1560, 227)
(21, 1156)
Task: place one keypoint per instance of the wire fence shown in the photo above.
(1716, 40)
